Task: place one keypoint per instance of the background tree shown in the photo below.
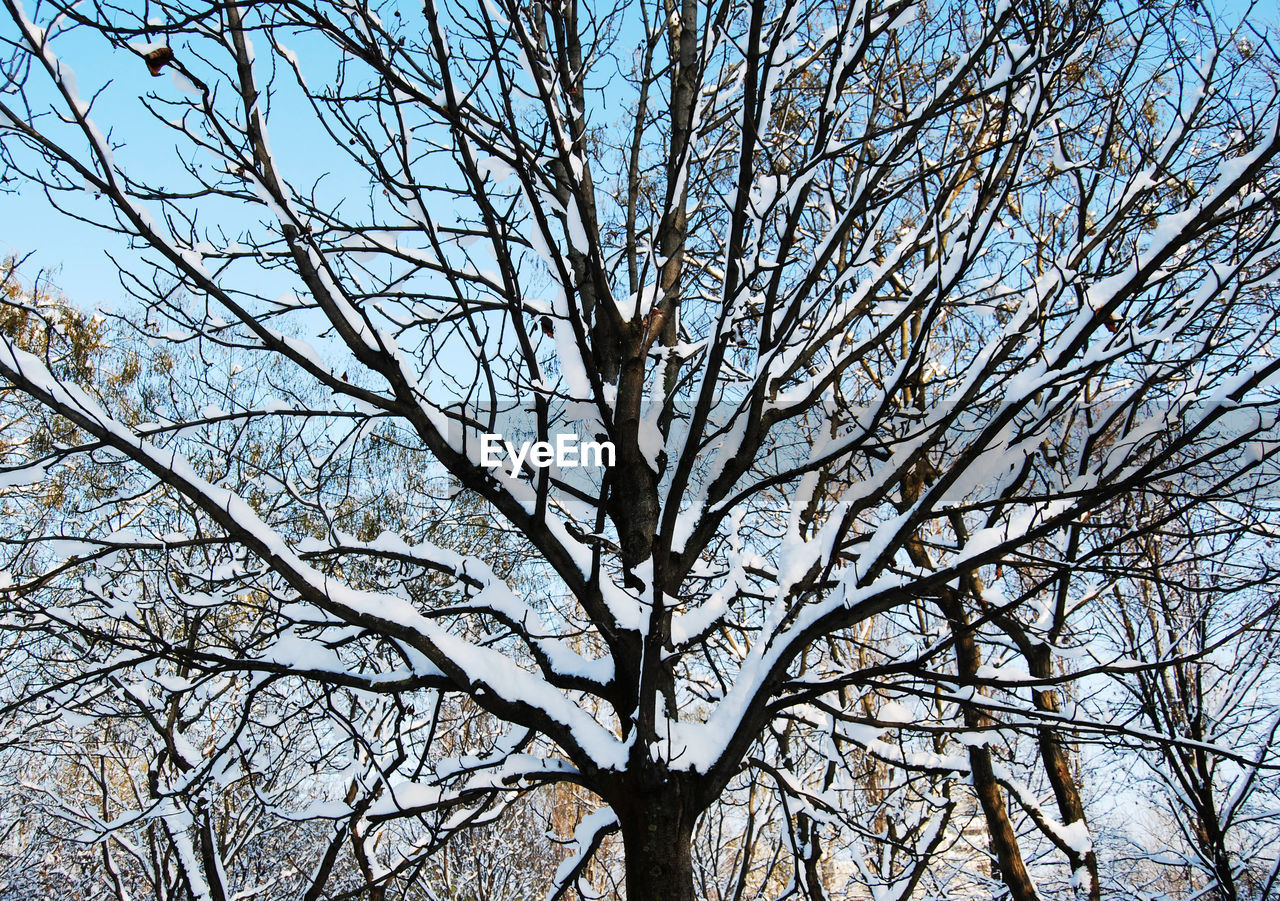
(1208, 646)
(885, 307)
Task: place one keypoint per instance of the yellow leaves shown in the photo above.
(55, 494)
(162, 363)
(370, 527)
(128, 373)
(39, 320)
(1149, 113)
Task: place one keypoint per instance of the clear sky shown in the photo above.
(74, 253)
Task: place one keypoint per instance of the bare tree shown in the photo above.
(1209, 651)
(881, 306)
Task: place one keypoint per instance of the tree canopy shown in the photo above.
(934, 345)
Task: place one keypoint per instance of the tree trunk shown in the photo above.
(1012, 870)
(657, 840)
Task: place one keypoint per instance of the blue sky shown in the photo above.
(74, 254)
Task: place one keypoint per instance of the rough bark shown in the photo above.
(1004, 840)
(1057, 765)
(657, 840)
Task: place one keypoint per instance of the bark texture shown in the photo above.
(657, 838)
